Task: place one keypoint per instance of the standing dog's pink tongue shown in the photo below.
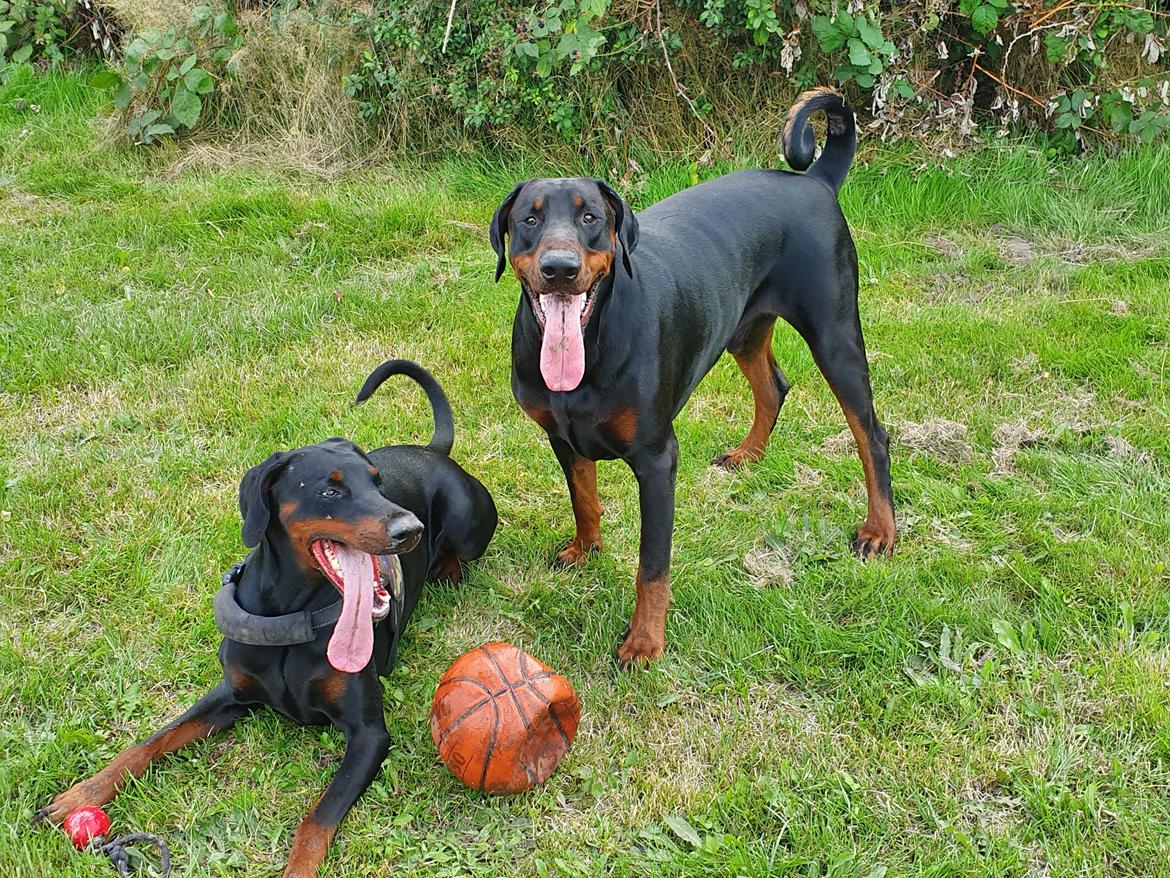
(352, 642)
(562, 353)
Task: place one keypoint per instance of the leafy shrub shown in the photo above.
(1075, 70)
(169, 74)
(605, 75)
(54, 30)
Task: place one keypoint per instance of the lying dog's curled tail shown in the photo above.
(444, 436)
(800, 144)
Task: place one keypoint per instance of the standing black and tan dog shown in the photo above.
(621, 316)
(342, 543)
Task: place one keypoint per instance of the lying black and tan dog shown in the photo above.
(343, 542)
(621, 316)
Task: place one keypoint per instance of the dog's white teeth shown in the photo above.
(540, 299)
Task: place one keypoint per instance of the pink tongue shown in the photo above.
(562, 354)
(352, 642)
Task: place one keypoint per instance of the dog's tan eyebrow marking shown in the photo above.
(579, 201)
(374, 472)
(336, 476)
(538, 204)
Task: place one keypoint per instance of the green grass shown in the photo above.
(992, 701)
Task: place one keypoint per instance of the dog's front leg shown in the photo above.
(655, 471)
(366, 744)
(212, 713)
(581, 476)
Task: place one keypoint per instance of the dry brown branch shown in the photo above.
(679, 90)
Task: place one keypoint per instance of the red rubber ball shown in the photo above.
(83, 824)
(502, 719)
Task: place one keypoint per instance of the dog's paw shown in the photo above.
(80, 795)
(736, 457)
(447, 569)
(639, 648)
(577, 552)
(872, 541)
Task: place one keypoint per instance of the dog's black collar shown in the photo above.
(236, 623)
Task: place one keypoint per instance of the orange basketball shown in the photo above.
(502, 719)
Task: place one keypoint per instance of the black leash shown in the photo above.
(120, 856)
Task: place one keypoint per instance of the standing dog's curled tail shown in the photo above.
(800, 144)
(444, 436)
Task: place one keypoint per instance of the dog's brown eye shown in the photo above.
(529, 220)
(331, 493)
(588, 218)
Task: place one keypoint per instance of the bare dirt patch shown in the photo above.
(806, 476)
(988, 806)
(1016, 250)
(840, 444)
(18, 208)
(1009, 439)
(944, 246)
(1120, 449)
(938, 438)
(1076, 410)
(1019, 251)
(770, 565)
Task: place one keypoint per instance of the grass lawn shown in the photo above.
(994, 700)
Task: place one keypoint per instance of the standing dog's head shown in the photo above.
(339, 528)
(563, 238)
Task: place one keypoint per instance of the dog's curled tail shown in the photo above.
(800, 143)
(444, 436)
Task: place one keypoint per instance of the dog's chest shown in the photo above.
(593, 428)
(280, 677)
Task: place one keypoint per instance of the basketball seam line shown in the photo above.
(544, 675)
(491, 748)
(511, 689)
(552, 715)
(523, 661)
(470, 710)
(491, 696)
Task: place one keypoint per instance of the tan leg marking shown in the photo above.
(130, 763)
(759, 367)
(310, 845)
(879, 531)
(646, 638)
(586, 513)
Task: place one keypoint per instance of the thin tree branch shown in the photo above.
(679, 90)
(447, 32)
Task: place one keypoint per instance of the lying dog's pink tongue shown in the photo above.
(562, 353)
(352, 642)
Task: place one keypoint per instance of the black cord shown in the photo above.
(119, 856)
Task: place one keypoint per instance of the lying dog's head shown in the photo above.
(338, 527)
(563, 238)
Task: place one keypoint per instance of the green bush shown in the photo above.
(611, 76)
(54, 31)
(574, 66)
(168, 74)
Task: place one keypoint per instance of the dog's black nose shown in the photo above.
(404, 528)
(560, 265)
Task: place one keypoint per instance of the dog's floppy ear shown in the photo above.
(499, 229)
(625, 224)
(254, 496)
